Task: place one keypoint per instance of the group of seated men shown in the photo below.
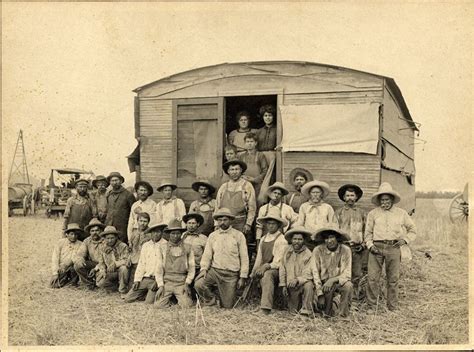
(314, 254)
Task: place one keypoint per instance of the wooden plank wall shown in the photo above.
(337, 169)
(155, 142)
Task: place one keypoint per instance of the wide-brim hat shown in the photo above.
(73, 227)
(385, 188)
(166, 183)
(155, 225)
(298, 230)
(321, 184)
(100, 178)
(277, 185)
(110, 230)
(309, 175)
(92, 223)
(195, 186)
(81, 180)
(264, 219)
(174, 225)
(199, 218)
(229, 163)
(146, 185)
(342, 191)
(115, 174)
(223, 212)
(341, 236)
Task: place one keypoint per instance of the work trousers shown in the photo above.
(132, 270)
(357, 272)
(226, 282)
(340, 305)
(83, 273)
(110, 281)
(176, 289)
(300, 298)
(268, 282)
(66, 278)
(390, 255)
(143, 292)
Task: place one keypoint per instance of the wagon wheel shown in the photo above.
(458, 210)
(25, 205)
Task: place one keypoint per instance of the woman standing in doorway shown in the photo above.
(237, 137)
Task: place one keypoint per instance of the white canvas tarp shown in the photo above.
(330, 128)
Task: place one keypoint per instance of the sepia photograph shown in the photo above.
(235, 175)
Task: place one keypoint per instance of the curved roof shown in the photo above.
(287, 68)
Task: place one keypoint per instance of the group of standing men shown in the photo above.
(154, 251)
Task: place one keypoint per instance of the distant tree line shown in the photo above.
(436, 194)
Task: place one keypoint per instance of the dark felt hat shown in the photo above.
(73, 227)
(230, 163)
(115, 174)
(195, 186)
(196, 216)
(341, 191)
(144, 184)
(100, 178)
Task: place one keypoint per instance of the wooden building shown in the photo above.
(343, 125)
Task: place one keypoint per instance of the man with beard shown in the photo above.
(88, 256)
(299, 177)
(119, 204)
(225, 262)
(100, 197)
(144, 204)
(80, 208)
(351, 219)
(204, 205)
(331, 270)
(275, 207)
(295, 272)
(387, 229)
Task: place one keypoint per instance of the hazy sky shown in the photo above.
(69, 69)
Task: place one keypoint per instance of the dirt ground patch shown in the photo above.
(433, 301)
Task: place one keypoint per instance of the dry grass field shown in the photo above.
(433, 307)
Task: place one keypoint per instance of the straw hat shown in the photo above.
(99, 178)
(73, 227)
(230, 163)
(109, 230)
(166, 183)
(277, 185)
(320, 234)
(144, 184)
(342, 191)
(199, 218)
(298, 230)
(264, 219)
(309, 185)
(92, 223)
(115, 174)
(205, 183)
(223, 212)
(154, 226)
(385, 188)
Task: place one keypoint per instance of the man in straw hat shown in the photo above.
(315, 213)
(387, 229)
(138, 237)
(144, 280)
(277, 208)
(80, 207)
(114, 263)
(193, 237)
(224, 263)
(100, 197)
(351, 219)
(62, 268)
(331, 269)
(267, 263)
(170, 207)
(299, 177)
(295, 272)
(175, 268)
(204, 205)
(119, 204)
(144, 204)
(88, 256)
(238, 195)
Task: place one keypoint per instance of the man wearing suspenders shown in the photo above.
(170, 207)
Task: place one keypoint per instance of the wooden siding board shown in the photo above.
(337, 169)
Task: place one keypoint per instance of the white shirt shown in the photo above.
(147, 206)
(314, 216)
(148, 259)
(170, 209)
